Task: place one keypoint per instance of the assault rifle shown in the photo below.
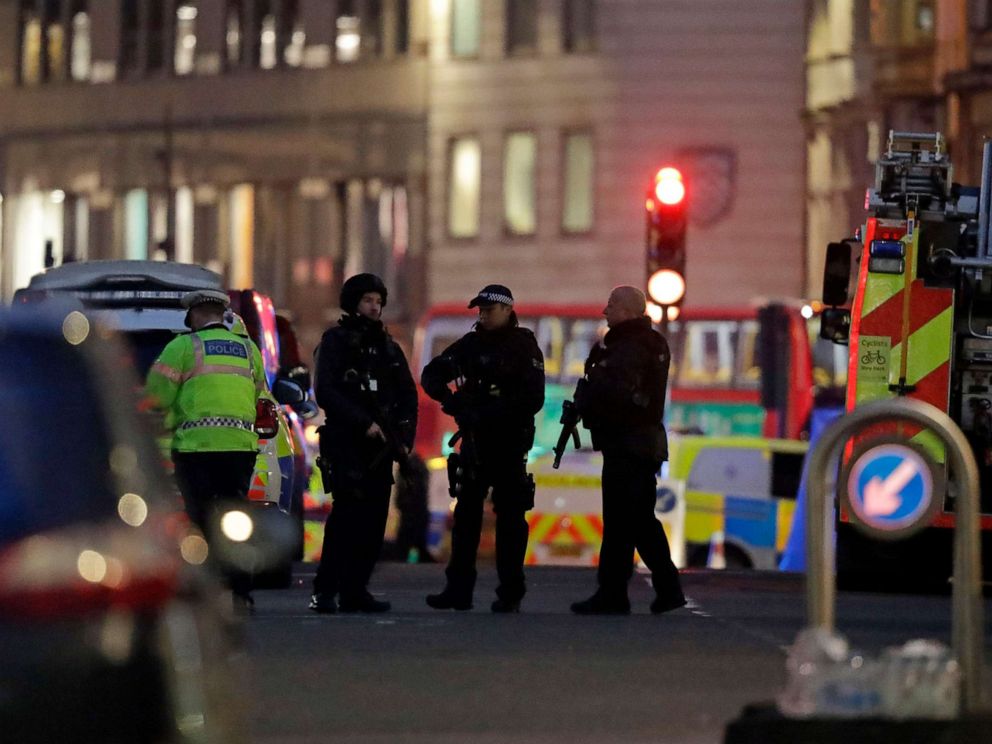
(569, 429)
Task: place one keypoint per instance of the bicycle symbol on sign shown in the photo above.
(873, 357)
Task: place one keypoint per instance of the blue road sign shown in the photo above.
(665, 500)
(890, 489)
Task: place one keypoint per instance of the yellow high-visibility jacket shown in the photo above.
(208, 382)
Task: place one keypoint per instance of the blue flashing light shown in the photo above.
(887, 249)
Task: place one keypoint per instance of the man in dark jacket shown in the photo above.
(498, 373)
(622, 401)
(364, 385)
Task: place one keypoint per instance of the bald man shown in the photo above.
(622, 401)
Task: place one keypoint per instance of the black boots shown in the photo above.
(602, 604)
(363, 603)
(667, 603)
(501, 606)
(610, 604)
(450, 600)
(323, 604)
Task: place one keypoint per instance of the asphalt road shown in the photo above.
(545, 675)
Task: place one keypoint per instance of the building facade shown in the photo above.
(445, 144)
(879, 65)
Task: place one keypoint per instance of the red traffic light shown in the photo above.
(669, 187)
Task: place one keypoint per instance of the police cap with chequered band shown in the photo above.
(492, 294)
(204, 296)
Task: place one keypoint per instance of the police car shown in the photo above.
(141, 300)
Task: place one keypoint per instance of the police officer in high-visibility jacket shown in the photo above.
(208, 382)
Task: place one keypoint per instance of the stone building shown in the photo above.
(443, 143)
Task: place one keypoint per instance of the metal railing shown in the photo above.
(967, 610)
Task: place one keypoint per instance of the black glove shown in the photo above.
(468, 418)
(453, 404)
(581, 397)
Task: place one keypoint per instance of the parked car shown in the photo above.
(140, 299)
(111, 627)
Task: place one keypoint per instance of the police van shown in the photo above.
(140, 299)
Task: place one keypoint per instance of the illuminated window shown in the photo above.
(185, 54)
(466, 24)
(268, 54)
(464, 181)
(136, 224)
(80, 53)
(293, 35)
(347, 32)
(578, 25)
(31, 42)
(925, 16)
(577, 180)
(55, 42)
(519, 156)
(521, 26)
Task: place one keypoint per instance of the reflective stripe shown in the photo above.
(197, 350)
(217, 421)
(170, 373)
(217, 369)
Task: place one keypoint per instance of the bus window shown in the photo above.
(441, 333)
(708, 353)
(829, 363)
(748, 366)
(550, 339)
(583, 335)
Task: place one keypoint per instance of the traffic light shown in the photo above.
(666, 228)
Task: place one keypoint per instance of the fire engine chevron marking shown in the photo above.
(882, 497)
(929, 348)
(882, 312)
(883, 292)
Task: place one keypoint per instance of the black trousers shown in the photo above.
(506, 475)
(629, 522)
(206, 478)
(353, 535)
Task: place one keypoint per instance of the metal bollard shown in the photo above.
(821, 590)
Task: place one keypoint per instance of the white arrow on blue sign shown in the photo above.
(890, 488)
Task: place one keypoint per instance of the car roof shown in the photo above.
(89, 273)
(44, 320)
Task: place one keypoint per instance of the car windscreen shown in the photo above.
(54, 444)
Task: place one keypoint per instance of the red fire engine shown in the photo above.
(912, 296)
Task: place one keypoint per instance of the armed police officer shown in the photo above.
(497, 371)
(364, 385)
(208, 383)
(621, 401)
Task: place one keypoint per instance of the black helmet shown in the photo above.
(358, 285)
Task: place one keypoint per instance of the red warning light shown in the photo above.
(668, 186)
